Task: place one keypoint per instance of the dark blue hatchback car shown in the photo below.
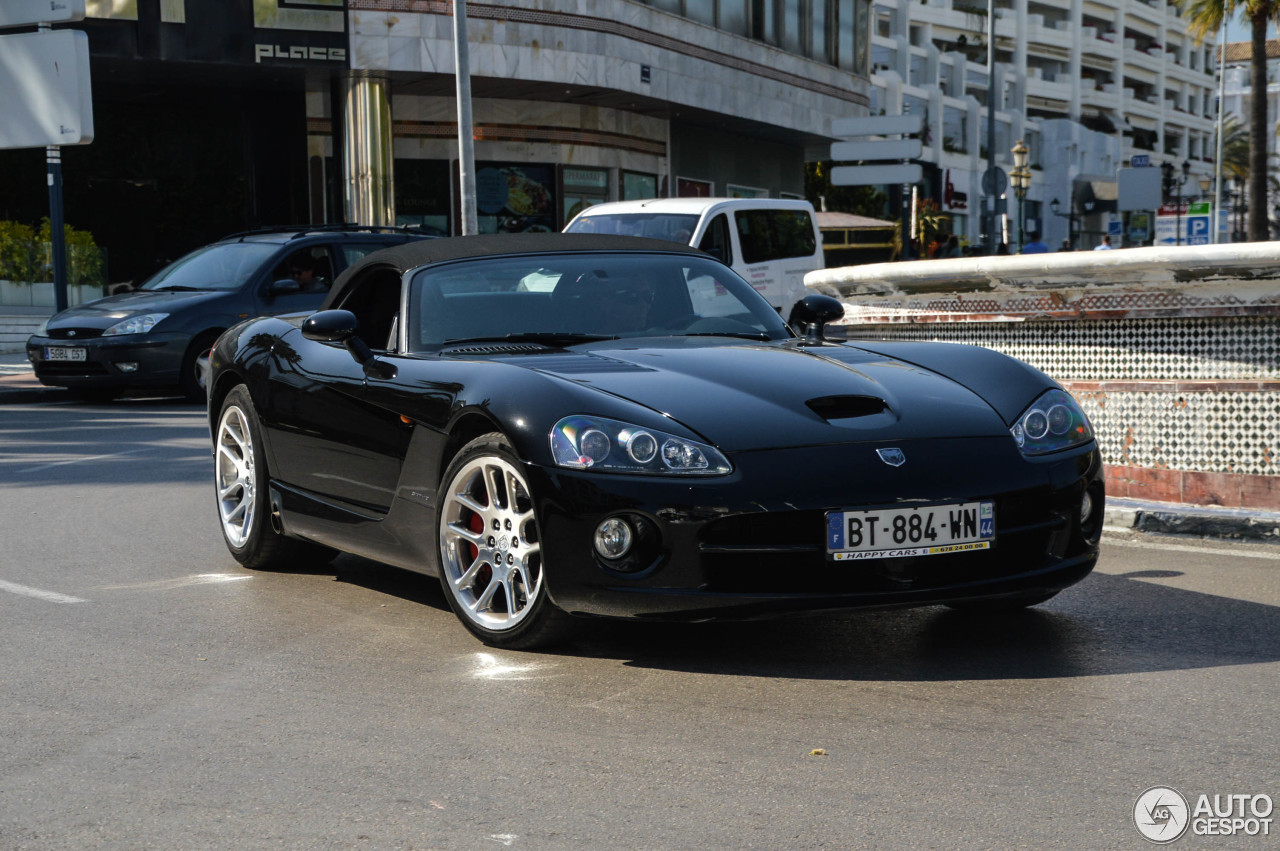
(155, 338)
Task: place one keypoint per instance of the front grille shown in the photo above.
(784, 553)
(73, 333)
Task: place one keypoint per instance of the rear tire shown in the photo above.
(490, 548)
(241, 483)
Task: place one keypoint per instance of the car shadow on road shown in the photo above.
(1107, 625)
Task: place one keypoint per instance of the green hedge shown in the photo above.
(27, 254)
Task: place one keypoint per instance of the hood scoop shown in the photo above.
(847, 407)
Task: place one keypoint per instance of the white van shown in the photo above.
(770, 242)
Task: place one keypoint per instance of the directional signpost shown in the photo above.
(885, 161)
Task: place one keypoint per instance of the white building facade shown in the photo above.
(1086, 85)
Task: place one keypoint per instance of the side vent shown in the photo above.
(496, 349)
(846, 407)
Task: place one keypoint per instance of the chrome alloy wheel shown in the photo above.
(489, 546)
(235, 476)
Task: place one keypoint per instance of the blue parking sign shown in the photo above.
(1198, 230)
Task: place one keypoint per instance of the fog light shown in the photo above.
(613, 538)
(127, 366)
(1086, 507)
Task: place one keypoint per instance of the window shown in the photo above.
(716, 240)
(375, 301)
(636, 186)
(774, 234)
(310, 267)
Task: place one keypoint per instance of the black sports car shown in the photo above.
(560, 425)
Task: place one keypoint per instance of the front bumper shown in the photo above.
(752, 543)
(157, 360)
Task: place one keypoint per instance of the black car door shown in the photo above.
(329, 436)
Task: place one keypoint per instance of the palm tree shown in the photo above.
(1235, 149)
(1206, 16)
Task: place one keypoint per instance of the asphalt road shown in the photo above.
(157, 695)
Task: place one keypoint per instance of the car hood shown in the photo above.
(106, 312)
(767, 396)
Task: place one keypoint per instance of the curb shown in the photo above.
(23, 387)
(1209, 521)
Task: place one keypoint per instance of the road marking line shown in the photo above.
(79, 460)
(1186, 548)
(47, 596)
(180, 582)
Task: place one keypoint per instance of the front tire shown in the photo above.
(195, 367)
(244, 503)
(490, 546)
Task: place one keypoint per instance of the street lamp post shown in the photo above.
(1020, 177)
(1070, 216)
(1173, 182)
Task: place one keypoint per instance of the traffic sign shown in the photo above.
(994, 181)
(47, 98)
(894, 149)
(875, 175)
(22, 13)
(878, 125)
(1198, 230)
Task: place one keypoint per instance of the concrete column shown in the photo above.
(368, 198)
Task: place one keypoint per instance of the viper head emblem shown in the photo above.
(893, 456)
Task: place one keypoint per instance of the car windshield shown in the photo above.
(673, 227)
(224, 266)
(563, 299)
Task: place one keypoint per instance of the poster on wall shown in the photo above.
(687, 187)
(515, 197)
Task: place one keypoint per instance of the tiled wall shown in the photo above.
(1185, 409)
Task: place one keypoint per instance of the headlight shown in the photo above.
(135, 324)
(595, 443)
(1053, 422)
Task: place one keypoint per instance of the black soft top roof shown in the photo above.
(401, 258)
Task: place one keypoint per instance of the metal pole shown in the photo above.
(1217, 157)
(466, 133)
(1022, 228)
(1177, 217)
(991, 124)
(57, 232)
(57, 235)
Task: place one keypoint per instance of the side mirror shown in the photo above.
(341, 326)
(284, 286)
(330, 326)
(812, 312)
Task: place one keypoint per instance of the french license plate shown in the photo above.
(924, 530)
(64, 353)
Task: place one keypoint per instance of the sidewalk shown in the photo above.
(18, 384)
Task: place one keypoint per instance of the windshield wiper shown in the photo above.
(550, 338)
(174, 288)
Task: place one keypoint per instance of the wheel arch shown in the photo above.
(466, 428)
